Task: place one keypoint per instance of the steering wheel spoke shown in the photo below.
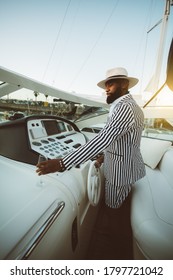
(94, 184)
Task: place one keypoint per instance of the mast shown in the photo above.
(168, 4)
(156, 78)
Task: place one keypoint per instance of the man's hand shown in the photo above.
(99, 161)
(50, 166)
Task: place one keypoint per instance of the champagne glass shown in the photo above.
(41, 158)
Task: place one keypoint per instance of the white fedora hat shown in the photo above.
(118, 73)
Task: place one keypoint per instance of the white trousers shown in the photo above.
(115, 195)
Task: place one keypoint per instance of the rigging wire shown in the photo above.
(56, 40)
(94, 45)
(146, 42)
(66, 43)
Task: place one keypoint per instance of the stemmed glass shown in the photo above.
(41, 158)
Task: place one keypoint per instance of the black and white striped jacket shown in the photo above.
(120, 142)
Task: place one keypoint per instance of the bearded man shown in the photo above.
(119, 141)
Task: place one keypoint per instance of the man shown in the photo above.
(119, 140)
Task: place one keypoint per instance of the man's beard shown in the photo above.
(111, 98)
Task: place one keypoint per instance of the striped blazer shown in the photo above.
(120, 142)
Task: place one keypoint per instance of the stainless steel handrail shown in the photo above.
(25, 253)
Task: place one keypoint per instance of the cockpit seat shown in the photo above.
(152, 203)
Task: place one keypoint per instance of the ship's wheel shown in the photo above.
(94, 184)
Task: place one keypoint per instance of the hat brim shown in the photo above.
(132, 81)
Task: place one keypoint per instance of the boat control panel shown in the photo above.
(53, 138)
(25, 139)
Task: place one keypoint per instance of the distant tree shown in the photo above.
(36, 93)
(46, 95)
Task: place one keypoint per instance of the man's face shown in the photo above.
(113, 90)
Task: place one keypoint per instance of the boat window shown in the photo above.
(87, 129)
(68, 110)
(97, 130)
(160, 128)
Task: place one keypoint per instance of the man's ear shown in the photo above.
(124, 84)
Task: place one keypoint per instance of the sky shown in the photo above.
(70, 44)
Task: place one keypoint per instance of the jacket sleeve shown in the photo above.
(120, 122)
